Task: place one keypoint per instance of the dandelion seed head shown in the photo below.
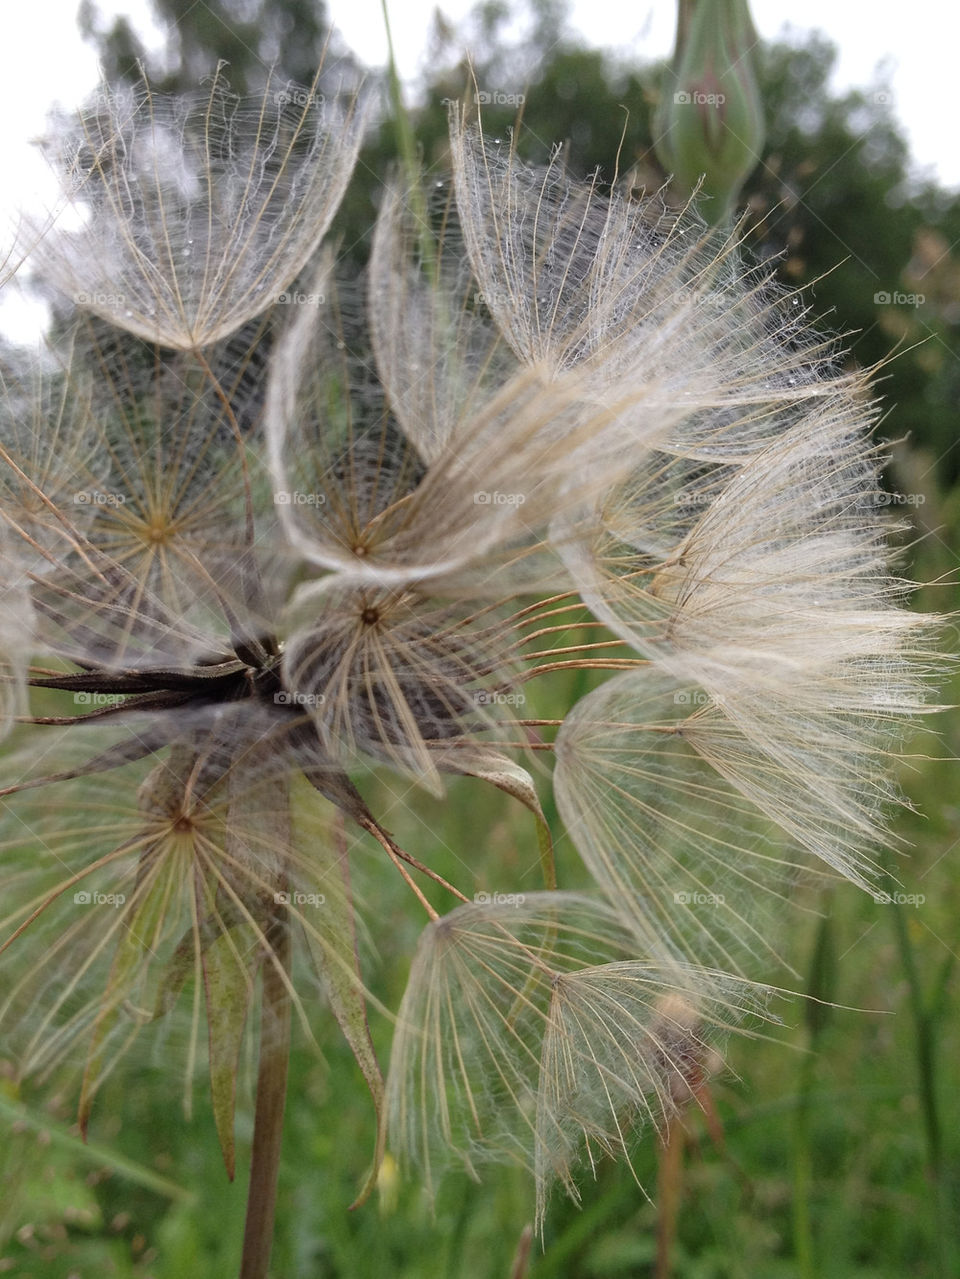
(550, 440)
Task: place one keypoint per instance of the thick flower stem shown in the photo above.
(669, 1193)
(271, 1096)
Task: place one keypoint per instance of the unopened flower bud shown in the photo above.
(710, 124)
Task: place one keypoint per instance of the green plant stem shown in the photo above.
(821, 981)
(927, 1082)
(275, 1022)
(802, 1162)
(406, 141)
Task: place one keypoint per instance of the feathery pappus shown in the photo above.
(269, 521)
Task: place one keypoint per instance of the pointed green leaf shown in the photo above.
(229, 967)
(140, 929)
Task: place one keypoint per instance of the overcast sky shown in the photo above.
(42, 60)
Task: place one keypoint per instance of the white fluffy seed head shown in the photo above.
(195, 215)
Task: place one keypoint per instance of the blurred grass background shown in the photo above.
(841, 1155)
